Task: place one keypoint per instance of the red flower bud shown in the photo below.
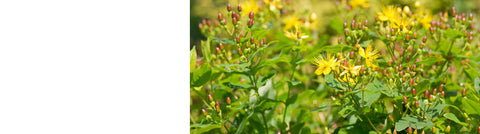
(229, 101)
(240, 51)
(353, 24)
(430, 98)
(415, 35)
(432, 30)
(352, 54)
(445, 80)
(344, 24)
(239, 7)
(204, 112)
(366, 22)
(346, 32)
(221, 45)
(217, 106)
(427, 93)
(200, 25)
(407, 37)
(411, 82)
(417, 104)
(250, 23)
(470, 16)
(414, 92)
(218, 50)
(443, 94)
(422, 45)
(220, 16)
(435, 91)
(252, 40)
(210, 97)
(388, 36)
(464, 92)
(405, 99)
(434, 129)
(470, 39)
(424, 39)
(391, 117)
(394, 131)
(478, 129)
(409, 130)
(250, 15)
(234, 21)
(229, 8)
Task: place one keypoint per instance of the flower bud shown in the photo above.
(427, 93)
(464, 92)
(430, 98)
(394, 131)
(424, 39)
(352, 54)
(447, 129)
(434, 129)
(240, 51)
(478, 129)
(443, 94)
(435, 91)
(229, 8)
(411, 82)
(417, 104)
(210, 97)
(252, 40)
(204, 112)
(415, 35)
(220, 16)
(366, 22)
(422, 45)
(390, 117)
(218, 50)
(234, 21)
(409, 130)
(200, 25)
(414, 92)
(407, 37)
(432, 30)
(229, 101)
(415, 132)
(352, 24)
(346, 32)
(405, 99)
(388, 36)
(250, 15)
(250, 23)
(470, 39)
(217, 106)
(209, 23)
(345, 24)
(239, 7)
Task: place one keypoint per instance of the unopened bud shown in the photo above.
(447, 129)
(424, 39)
(405, 99)
(352, 24)
(204, 112)
(250, 23)
(229, 101)
(352, 54)
(210, 97)
(250, 15)
(417, 104)
(435, 91)
(345, 24)
(217, 106)
(414, 92)
(234, 21)
(464, 92)
(415, 35)
(434, 129)
(470, 39)
(443, 94)
(411, 82)
(346, 32)
(410, 130)
(218, 50)
(239, 7)
(430, 98)
(422, 45)
(432, 30)
(407, 37)
(427, 93)
(388, 36)
(229, 7)
(220, 16)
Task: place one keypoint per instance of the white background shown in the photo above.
(94, 66)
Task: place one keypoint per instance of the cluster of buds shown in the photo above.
(215, 108)
(355, 31)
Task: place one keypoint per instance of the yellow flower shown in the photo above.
(352, 69)
(325, 66)
(359, 3)
(296, 34)
(369, 55)
(425, 19)
(347, 79)
(248, 6)
(274, 4)
(291, 22)
(388, 13)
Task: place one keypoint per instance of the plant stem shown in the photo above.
(265, 121)
(369, 121)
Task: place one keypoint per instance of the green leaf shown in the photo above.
(471, 106)
(453, 118)
(452, 34)
(346, 110)
(324, 106)
(367, 97)
(472, 74)
(242, 124)
(430, 61)
(237, 86)
(337, 25)
(477, 84)
(434, 112)
(305, 130)
(193, 58)
(206, 51)
(330, 81)
(201, 75)
(412, 121)
(423, 86)
(205, 129)
(268, 91)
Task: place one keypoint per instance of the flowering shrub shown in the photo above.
(398, 68)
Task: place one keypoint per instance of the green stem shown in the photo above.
(265, 121)
(369, 121)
